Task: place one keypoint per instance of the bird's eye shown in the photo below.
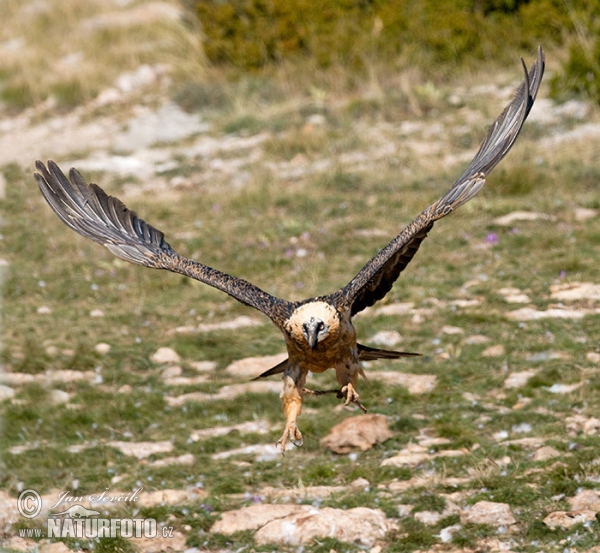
(320, 325)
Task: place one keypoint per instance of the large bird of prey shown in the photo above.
(318, 332)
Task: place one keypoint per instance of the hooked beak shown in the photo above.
(311, 333)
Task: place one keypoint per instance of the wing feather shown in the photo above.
(376, 278)
(89, 211)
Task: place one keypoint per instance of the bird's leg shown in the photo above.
(347, 375)
(291, 403)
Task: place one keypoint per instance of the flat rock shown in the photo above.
(573, 291)
(251, 367)
(142, 449)
(6, 392)
(513, 295)
(169, 497)
(545, 452)
(531, 314)
(165, 355)
(414, 383)
(386, 338)
(510, 218)
(8, 512)
(250, 427)
(519, 379)
(452, 330)
(308, 493)
(261, 452)
(298, 525)
(395, 309)
(357, 433)
(431, 518)
(476, 339)
(488, 512)
(239, 322)
(55, 547)
(566, 519)
(227, 392)
(102, 348)
(585, 500)
(494, 351)
(412, 455)
(580, 423)
(584, 213)
(15, 543)
(19, 379)
(160, 544)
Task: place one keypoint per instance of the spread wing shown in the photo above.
(376, 278)
(89, 211)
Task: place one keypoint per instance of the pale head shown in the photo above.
(313, 323)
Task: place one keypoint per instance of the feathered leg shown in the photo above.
(347, 375)
(294, 379)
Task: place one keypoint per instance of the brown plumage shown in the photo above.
(318, 331)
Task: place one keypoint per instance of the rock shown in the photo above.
(510, 218)
(415, 383)
(395, 309)
(297, 495)
(171, 372)
(59, 396)
(518, 380)
(386, 338)
(96, 313)
(488, 512)
(452, 330)
(513, 295)
(593, 357)
(165, 355)
(55, 547)
(227, 392)
(544, 453)
(203, 366)
(585, 500)
(186, 459)
(477, 339)
(530, 314)
(239, 322)
(142, 449)
(573, 291)
(447, 533)
(251, 367)
(296, 525)
(494, 351)
(580, 423)
(583, 213)
(431, 518)
(566, 519)
(261, 452)
(564, 388)
(412, 455)
(102, 348)
(44, 310)
(8, 512)
(361, 432)
(250, 427)
(6, 392)
(15, 543)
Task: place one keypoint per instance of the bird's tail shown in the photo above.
(366, 353)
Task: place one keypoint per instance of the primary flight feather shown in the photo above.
(318, 332)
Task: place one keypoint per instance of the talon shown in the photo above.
(351, 395)
(292, 433)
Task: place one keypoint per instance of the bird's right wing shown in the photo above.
(89, 211)
(377, 277)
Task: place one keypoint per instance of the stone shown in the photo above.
(308, 493)
(261, 452)
(412, 455)
(580, 423)
(160, 544)
(169, 497)
(585, 500)
(251, 367)
(227, 392)
(239, 322)
(55, 547)
(510, 218)
(250, 427)
(452, 330)
(477, 339)
(494, 351)
(431, 518)
(186, 459)
(357, 433)
(519, 379)
(102, 348)
(566, 519)
(414, 383)
(488, 512)
(8, 512)
(573, 291)
(165, 355)
(142, 449)
(513, 295)
(593, 357)
(559, 388)
(171, 372)
(296, 525)
(386, 338)
(96, 313)
(15, 543)
(545, 452)
(530, 314)
(6, 392)
(583, 213)
(59, 396)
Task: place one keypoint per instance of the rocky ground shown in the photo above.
(488, 445)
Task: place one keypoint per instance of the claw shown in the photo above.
(352, 396)
(292, 433)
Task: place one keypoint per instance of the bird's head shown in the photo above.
(313, 324)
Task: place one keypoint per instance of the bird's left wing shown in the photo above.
(376, 278)
(89, 211)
